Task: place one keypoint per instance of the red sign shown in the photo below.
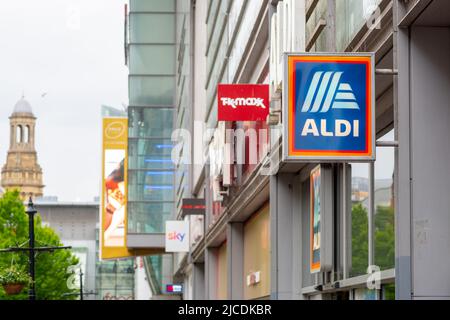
(243, 102)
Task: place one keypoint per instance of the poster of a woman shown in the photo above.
(114, 197)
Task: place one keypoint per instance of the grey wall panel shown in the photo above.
(403, 277)
(235, 260)
(281, 236)
(430, 135)
(211, 274)
(199, 281)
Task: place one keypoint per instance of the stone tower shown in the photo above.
(22, 170)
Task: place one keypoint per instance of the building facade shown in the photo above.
(390, 217)
(150, 56)
(22, 170)
(230, 252)
(77, 225)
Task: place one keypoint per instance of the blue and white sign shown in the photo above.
(177, 236)
(329, 107)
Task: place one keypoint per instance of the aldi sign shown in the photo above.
(328, 107)
(243, 102)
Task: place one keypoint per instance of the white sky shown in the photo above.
(73, 50)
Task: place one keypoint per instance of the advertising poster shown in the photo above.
(315, 179)
(114, 189)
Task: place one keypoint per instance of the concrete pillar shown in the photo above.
(281, 233)
(211, 273)
(235, 260)
(403, 183)
(198, 273)
(422, 214)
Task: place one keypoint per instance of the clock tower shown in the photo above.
(22, 170)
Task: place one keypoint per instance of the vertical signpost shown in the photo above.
(328, 117)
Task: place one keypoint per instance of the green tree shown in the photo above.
(52, 268)
(384, 238)
(359, 240)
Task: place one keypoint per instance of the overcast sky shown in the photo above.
(73, 51)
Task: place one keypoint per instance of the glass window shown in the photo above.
(365, 294)
(213, 6)
(160, 266)
(149, 217)
(151, 178)
(152, 28)
(307, 276)
(148, 186)
(152, 5)
(151, 91)
(384, 207)
(150, 154)
(388, 292)
(217, 36)
(150, 122)
(196, 229)
(319, 13)
(26, 134)
(19, 134)
(351, 16)
(152, 59)
(360, 219)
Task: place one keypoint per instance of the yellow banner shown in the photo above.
(114, 189)
(113, 214)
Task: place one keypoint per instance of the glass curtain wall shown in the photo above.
(114, 279)
(152, 85)
(151, 62)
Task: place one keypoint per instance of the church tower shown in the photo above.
(22, 170)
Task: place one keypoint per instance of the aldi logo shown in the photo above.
(339, 95)
(329, 108)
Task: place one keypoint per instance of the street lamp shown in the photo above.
(31, 211)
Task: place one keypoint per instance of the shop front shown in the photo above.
(257, 255)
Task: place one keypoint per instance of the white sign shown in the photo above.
(177, 236)
(253, 278)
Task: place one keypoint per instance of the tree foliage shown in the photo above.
(360, 238)
(384, 238)
(52, 268)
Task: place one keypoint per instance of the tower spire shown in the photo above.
(22, 170)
